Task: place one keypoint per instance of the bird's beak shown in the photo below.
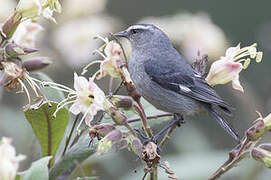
(121, 34)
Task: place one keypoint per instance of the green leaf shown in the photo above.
(48, 129)
(76, 154)
(50, 93)
(38, 170)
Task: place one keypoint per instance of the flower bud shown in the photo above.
(101, 130)
(30, 50)
(125, 102)
(266, 146)
(136, 145)
(14, 50)
(110, 139)
(36, 64)
(262, 155)
(267, 121)
(11, 25)
(118, 117)
(256, 131)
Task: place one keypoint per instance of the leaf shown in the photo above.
(76, 154)
(48, 129)
(50, 93)
(38, 170)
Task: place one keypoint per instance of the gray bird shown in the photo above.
(167, 81)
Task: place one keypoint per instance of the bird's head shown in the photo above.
(144, 35)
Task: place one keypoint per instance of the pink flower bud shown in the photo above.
(262, 156)
(36, 64)
(14, 50)
(11, 25)
(110, 139)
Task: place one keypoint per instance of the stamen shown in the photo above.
(26, 91)
(90, 64)
(58, 108)
(83, 118)
(59, 86)
(99, 52)
(103, 39)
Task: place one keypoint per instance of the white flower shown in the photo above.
(111, 65)
(29, 8)
(32, 9)
(26, 34)
(89, 98)
(9, 162)
(228, 67)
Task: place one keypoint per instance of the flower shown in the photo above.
(228, 67)
(27, 33)
(87, 98)
(9, 162)
(13, 76)
(30, 9)
(113, 60)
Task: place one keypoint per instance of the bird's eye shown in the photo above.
(134, 31)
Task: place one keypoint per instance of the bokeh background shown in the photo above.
(200, 146)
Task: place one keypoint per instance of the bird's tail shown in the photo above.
(214, 112)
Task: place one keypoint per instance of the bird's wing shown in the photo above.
(180, 78)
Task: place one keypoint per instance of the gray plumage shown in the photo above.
(167, 81)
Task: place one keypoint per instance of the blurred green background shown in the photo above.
(200, 146)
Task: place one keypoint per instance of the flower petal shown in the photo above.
(88, 119)
(75, 108)
(80, 82)
(223, 71)
(236, 84)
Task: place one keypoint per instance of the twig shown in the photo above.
(242, 150)
(70, 135)
(154, 172)
(143, 117)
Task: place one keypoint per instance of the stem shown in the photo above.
(240, 152)
(154, 172)
(228, 165)
(70, 135)
(143, 117)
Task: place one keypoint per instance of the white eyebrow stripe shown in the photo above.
(137, 27)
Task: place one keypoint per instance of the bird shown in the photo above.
(167, 81)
